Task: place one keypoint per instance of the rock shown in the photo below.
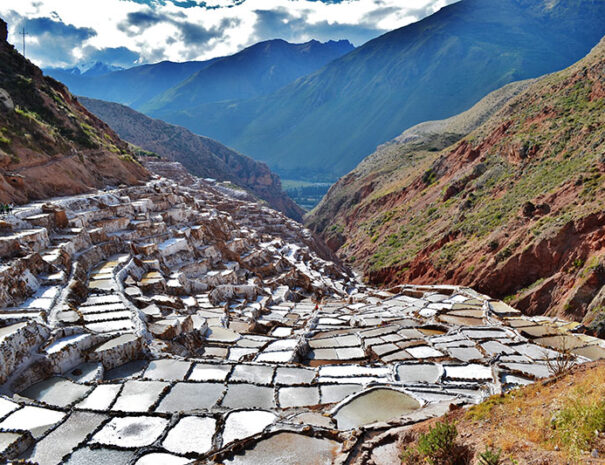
(529, 209)
(6, 102)
(3, 30)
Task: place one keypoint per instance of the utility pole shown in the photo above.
(23, 33)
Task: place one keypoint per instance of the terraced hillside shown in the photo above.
(514, 209)
(50, 144)
(175, 324)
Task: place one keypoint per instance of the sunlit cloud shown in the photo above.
(128, 32)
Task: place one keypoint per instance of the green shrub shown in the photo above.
(438, 447)
(438, 440)
(490, 457)
(429, 177)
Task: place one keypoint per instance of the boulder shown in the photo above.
(6, 102)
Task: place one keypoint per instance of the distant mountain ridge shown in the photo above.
(202, 156)
(133, 86)
(321, 125)
(256, 70)
(97, 68)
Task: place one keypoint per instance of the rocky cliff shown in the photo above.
(514, 209)
(49, 143)
(202, 156)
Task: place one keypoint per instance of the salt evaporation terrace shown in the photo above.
(163, 324)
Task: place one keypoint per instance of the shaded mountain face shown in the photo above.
(50, 144)
(513, 209)
(255, 71)
(321, 126)
(393, 163)
(133, 86)
(202, 156)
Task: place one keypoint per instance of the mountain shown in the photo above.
(384, 172)
(50, 144)
(322, 125)
(134, 86)
(202, 156)
(513, 209)
(97, 68)
(257, 70)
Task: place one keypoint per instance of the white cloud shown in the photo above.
(163, 30)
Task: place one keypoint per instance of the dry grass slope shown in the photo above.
(557, 421)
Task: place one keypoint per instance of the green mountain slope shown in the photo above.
(322, 125)
(514, 209)
(257, 70)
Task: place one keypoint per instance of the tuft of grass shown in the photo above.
(337, 228)
(490, 456)
(129, 159)
(576, 423)
(483, 410)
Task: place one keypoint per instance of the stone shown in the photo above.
(3, 30)
(6, 102)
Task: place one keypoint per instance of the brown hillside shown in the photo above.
(515, 209)
(204, 157)
(50, 144)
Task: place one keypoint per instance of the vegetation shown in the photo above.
(565, 415)
(490, 457)
(437, 447)
(294, 129)
(517, 184)
(140, 152)
(48, 127)
(304, 193)
(563, 362)
(576, 423)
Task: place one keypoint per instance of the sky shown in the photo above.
(65, 33)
